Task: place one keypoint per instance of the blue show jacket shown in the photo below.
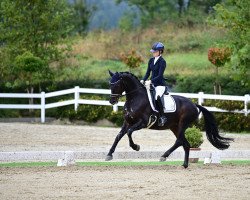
(157, 71)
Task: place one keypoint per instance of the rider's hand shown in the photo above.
(142, 81)
(147, 84)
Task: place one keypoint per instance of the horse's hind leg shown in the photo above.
(117, 139)
(180, 141)
(186, 147)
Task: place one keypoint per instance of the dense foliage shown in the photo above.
(30, 35)
(30, 70)
(131, 59)
(219, 56)
(183, 12)
(194, 137)
(234, 15)
(35, 26)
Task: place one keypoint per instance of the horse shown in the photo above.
(137, 112)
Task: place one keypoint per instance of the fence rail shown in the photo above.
(76, 101)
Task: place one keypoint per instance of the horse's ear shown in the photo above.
(111, 73)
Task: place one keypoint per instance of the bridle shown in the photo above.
(121, 95)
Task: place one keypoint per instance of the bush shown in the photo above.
(131, 59)
(194, 137)
(116, 118)
(219, 56)
(233, 122)
(205, 83)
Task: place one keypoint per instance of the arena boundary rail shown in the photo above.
(76, 101)
(69, 156)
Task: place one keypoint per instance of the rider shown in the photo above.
(157, 65)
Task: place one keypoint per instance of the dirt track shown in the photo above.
(37, 137)
(149, 182)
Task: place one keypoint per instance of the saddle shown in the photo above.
(168, 101)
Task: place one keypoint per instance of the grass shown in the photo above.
(177, 63)
(121, 163)
(99, 51)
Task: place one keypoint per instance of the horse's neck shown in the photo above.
(130, 84)
(133, 89)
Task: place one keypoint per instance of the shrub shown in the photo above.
(116, 118)
(194, 137)
(219, 56)
(132, 59)
(204, 83)
(233, 122)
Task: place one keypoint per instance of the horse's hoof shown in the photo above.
(162, 159)
(108, 158)
(137, 147)
(185, 166)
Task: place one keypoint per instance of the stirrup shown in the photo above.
(162, 121)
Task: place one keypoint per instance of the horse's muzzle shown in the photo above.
(113, 101)
(114, 98)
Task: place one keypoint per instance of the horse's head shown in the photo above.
(116, 86)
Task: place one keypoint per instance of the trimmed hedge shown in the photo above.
(205, 83)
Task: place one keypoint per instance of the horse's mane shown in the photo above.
(129, 74)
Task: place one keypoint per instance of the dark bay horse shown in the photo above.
(137, 111)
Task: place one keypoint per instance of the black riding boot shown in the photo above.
(162, 119)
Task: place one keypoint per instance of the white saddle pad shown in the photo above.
(169, 104)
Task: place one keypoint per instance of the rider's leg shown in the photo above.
(162, 119)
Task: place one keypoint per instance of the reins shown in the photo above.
(121, 95)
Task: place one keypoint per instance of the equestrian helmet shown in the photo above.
(158, 46)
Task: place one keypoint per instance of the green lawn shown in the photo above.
(177, 63)
(113, 163)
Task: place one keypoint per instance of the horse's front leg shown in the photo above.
(137, 126)
(117, 139)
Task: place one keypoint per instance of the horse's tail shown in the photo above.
(212, 130)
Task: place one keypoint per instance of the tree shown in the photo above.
(218, 57)
(36, 26)
(126, 23)
(31, 71)
(152, 12)
(82, 15)
(234, 16)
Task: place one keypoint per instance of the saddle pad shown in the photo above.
(169, 104)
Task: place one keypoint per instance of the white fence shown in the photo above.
(77, 100)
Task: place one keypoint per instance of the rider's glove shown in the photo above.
(147, 84)
(142, 81)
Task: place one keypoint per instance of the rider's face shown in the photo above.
(156, 53)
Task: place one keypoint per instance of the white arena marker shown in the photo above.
(69, 159)
(216, 157)
(207, 161)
